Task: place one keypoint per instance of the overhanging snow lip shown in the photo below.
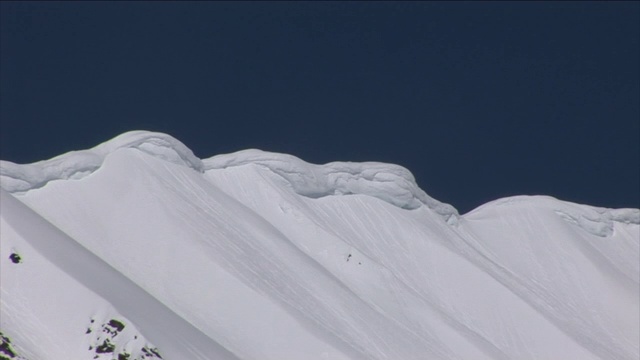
(74, 165)
(595, 220)
(391, 183)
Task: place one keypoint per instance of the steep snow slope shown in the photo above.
(54, 299)
(566, 259)
(438, 269)
(263, 256)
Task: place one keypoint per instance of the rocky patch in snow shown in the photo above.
(15, 258)
(6, 349)
(108, 342)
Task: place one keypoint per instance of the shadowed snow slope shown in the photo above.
(256, 255)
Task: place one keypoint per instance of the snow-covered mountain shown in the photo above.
(137, 249)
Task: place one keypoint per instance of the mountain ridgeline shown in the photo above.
(137, 249)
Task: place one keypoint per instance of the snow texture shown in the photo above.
(388, 182)
(145, 250)
(391, 183)
(78, 164)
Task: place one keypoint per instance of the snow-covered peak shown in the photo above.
(594, 220)
(391, 183)
(78, 164)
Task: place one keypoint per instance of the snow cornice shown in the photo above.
(78, 164)
(391, 183)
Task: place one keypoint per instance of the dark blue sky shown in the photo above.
(478, 100)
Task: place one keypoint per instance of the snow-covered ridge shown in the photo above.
(595, 220)
(391, 183)
(388, 182)
(158, 252)
(78, 164)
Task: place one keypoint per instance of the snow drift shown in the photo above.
(138, 249)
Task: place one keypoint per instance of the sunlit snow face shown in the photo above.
(261, 255)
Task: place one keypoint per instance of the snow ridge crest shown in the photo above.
(16, 178)
(391, 183)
